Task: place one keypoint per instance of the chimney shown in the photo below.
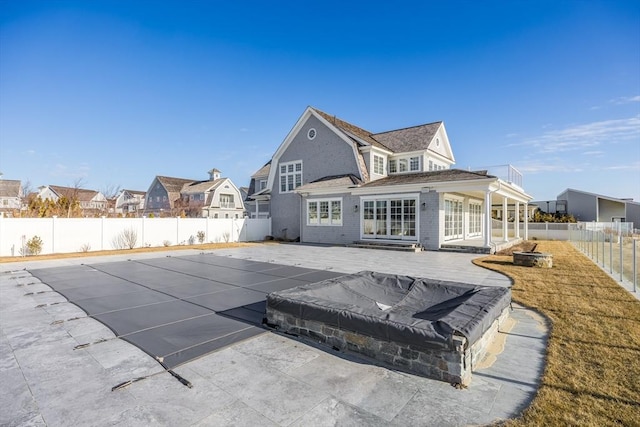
(214, 174)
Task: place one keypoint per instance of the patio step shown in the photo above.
(389, 246)
(465, 249)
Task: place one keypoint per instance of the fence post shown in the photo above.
(603, 239)
(143, 218)
(53, 234)
(621, 258)
(611, 252)
(177, 230)
(635, 265)
(102, 233)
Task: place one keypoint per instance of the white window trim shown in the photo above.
(382, 165)
(331, 222)
(287, 174)
(406, 161)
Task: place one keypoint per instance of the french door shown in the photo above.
(393, 218)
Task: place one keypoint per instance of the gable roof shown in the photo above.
(10, 188)
(80, 194)
(173, 185)
(263, 171)
(201, 186)
(409, 139)
(134, 192)
(351, 130)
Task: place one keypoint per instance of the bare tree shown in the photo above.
(111, 192)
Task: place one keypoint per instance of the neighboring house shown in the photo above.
(215, 198)
(333, 182)
(91, 202)
(585, 206)
(129, 202)
(257, 201)
(10, 196)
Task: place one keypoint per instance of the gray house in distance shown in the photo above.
(333, 182)
(585, 206)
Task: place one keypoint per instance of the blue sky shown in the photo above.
(113, 93)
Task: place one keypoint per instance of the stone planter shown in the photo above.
(533, 259)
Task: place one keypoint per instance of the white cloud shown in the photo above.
(633, 166)
(593, 153)
(624, 100)
(580, 137)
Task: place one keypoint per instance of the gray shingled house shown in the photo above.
(216, 197)
(333, 182)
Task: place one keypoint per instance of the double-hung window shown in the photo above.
(393, 166)
(414, 164)
(290, 176)
(378, 165)
(324, 212)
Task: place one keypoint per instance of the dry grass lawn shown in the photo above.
(592, 376)
(205, 246)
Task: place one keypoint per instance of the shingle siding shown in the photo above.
(347, 233)
(325, 155)
(431, 218)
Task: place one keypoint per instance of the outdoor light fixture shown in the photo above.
(355, 208)
(423, 206)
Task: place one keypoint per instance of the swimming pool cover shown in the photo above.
(417, 311)
(177, 308)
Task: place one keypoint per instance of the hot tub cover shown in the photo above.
(417, 311)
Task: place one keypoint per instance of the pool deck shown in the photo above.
(267, 380)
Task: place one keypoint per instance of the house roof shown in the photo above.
(346, 180)
(80, 194)
(409, 139)
(201, 186)
(445, 175)
(9, 188)
(351, 130)
(173, 185)
(600, 196)
(135, 192)
(263, 171)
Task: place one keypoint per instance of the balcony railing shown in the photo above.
(505, 172)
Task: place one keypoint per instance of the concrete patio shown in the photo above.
(269, 379)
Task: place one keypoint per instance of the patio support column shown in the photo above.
(516, 220)
(526, 221)
(505, 224)
(487, 218)
(257, 209)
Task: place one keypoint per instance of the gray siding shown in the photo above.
(633, 214)
(431, 234)
(582, 206)
(348, 233)
(152, 204)
(325, 155)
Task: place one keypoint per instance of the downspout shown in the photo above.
(301, 198)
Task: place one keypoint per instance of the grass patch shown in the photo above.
(592, 375)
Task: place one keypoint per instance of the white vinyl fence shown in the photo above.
(64, 235)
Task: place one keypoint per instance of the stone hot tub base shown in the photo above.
(436, 329)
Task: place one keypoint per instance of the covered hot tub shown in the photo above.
(430, 327)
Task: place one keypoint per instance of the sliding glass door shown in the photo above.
(392, 218)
